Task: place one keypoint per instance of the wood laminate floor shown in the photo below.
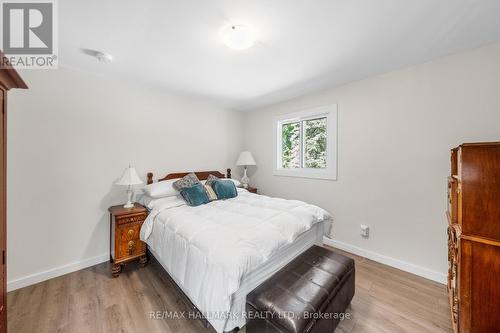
(90, 300)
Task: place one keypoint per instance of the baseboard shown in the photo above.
(396, 263)
(389, 261)
(55, 272)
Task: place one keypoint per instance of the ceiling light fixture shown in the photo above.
(104, 57)
(101, 56)
(238, 37)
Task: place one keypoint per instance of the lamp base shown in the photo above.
(129, 205)
(245, 180)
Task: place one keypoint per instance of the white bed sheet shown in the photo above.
(314, 236)
(219, 252)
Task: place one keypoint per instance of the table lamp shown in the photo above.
(128, 179)
(245, 159)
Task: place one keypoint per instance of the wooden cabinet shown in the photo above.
(252, 190)
(125, 245)
(9, 79)
(474, 237)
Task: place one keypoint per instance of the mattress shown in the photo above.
(250, 281)
(218, 252)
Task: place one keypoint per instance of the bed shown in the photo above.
(218, 252)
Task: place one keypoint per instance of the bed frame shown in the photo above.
(202, 175)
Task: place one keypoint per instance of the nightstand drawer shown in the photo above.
(129, 243)
(129, 231)
(131, 248)
(131, 219)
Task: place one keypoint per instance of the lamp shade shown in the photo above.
(245, 158)
(129, 177)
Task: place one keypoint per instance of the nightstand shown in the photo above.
(125, 245)
(252, 189)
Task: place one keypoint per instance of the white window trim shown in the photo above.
(330, 172)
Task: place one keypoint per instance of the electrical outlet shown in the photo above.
(365, 231)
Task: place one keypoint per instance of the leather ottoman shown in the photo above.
(310, 294)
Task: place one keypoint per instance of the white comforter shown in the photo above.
(209, 248)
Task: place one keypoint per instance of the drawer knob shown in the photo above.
(131, 247)
(131, 232)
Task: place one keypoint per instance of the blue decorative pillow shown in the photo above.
(225, 189)
(195, 195)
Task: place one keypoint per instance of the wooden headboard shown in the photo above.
(202, 175)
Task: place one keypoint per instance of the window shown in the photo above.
(306, 144)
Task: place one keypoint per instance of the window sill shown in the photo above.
(306, 173)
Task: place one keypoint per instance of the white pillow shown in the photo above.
(150, 203)
(161, 189)
(236, 182)
(144, 200)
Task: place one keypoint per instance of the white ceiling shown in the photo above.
(304, 45)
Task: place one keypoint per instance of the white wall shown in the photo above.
(394, 136)
(72, 134)
(70, 137)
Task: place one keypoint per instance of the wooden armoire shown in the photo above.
(474, 237)
(9, 79)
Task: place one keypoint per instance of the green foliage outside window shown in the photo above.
(314, 144)
(290, 135)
